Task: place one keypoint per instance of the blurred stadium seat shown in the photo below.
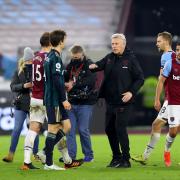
(87, 22)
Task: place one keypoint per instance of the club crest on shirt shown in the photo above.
(125, 64)
(171, 119)
(39, 58)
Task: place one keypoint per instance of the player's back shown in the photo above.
(38, 75)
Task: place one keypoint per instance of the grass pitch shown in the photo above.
(154, 170)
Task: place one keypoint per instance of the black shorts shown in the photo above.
(56, 114)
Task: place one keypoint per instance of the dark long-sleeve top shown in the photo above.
(23, 94)
(122, 73)
(84, 82)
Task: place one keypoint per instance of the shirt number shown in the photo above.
(37, 73)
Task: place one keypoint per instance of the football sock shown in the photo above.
(153, 141)
(28, 145)
(169, 142)
(60, 134)
(62, 147)
(50, 142)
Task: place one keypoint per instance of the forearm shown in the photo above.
(136, 86)
(17, 87)
(159, 89)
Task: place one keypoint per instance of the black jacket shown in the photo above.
(122, 73)
(22, 95)
(82, 92)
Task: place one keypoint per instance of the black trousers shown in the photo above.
(117, 118)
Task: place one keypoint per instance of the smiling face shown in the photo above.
(118, 45)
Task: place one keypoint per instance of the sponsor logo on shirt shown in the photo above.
(125, 64)
(58, 67)
(39, 58)
(176, 77)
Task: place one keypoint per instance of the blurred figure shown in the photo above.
(148, 91)
(1, 66)
(123, 77)
(21, 85)
(164, 43)
(80, 86)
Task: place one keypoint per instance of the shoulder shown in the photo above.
(15, 75)
(132, 57)
(54, 58)
(168, 66)
(109, 55)
(167, 55)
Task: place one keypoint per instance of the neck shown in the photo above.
(57, 48)
(167, 48)
(45, 49)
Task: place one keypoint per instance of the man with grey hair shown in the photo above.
(123, 77)
(118, 35)
(80, 85)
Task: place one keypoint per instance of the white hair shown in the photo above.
(119, 35)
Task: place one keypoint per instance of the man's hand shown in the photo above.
(126, 96)
(69, 85)
(93, 66)
(27, 85)
(157, 105)
(66, 105)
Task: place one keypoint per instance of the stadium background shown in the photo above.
(90, 23)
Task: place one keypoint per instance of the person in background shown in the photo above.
(164, 43)
(80, 85)
(170, 76)
(21, 85)
(148, 94)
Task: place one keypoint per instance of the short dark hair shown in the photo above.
(56, 37)
(167, 36)
(76, 49)
(178, 43)
(45, 39)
